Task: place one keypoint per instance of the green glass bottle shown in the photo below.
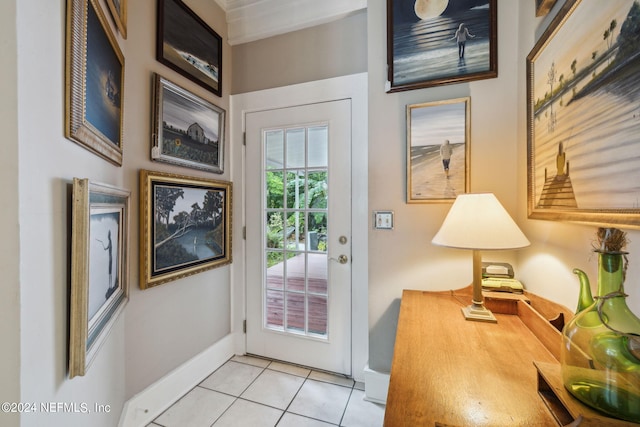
(600, 350)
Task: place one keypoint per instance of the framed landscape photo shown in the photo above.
(583, 117)
(185, 226)
(438, 144)
(188, 130)
(186, 44)
(94, 82)
(118, 9)
(431, 42)
(99, 267)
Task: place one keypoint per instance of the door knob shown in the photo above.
(342, 259)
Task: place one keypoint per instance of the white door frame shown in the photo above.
(354, 87)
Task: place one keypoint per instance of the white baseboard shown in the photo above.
(376, 386)
(145, 406)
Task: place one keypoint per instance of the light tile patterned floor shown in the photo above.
(254, 392)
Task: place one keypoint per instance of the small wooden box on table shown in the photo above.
(448, 371)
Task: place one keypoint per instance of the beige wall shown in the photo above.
(161, 328)
(330, 50)
(9, 216)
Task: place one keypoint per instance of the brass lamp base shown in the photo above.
(478, 312)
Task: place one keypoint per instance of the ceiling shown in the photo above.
(250, 20)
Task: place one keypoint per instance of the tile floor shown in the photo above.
(253, 392)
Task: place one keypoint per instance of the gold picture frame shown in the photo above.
(185, 226)
(582, 120)
(118, 9)
(438, 150)
(99, 268)
(94, 82)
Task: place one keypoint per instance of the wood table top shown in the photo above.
(448, 371)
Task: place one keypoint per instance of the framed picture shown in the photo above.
(118, 9)
(188, 130)
(95, 82)
(188, 45)
(438, 150)
(583, 116)
(185, 226)
(430, 43)
(544, 6)
(99, 267)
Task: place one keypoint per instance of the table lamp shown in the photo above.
(479, 222)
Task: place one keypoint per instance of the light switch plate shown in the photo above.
(383, 220)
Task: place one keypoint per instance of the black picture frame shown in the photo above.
(186, 44)
(422, 53)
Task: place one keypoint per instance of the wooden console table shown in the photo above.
(448, 371)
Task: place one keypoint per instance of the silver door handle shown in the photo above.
(342, 259)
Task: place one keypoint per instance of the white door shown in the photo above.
(298, 219)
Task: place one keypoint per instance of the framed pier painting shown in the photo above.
(583, 116)
(430, 43)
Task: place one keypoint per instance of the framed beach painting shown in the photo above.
(583, 115)
(188, 130)
(186, 44)
(94, 82)
(438, 144)
(99, 267)
(434, 42)
(185, 226)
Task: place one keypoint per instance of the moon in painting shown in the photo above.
(427, 9)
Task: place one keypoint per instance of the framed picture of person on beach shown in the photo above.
(185, 226)
(186, 44)
(583, 116)
(435, 42)
(438, 150)
(99, 267)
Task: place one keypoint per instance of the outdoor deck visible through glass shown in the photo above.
(296, 217)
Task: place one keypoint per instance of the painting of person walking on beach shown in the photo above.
(437, 150)
(584, 115)
(432, 42)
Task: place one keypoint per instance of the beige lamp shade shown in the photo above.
(479, 221)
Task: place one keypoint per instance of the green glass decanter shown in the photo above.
(601, 345)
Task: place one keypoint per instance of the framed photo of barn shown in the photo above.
(185, 226)
(188, 130)
(99, 267)
(582, 115)
(186, 44)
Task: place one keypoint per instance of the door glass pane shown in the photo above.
(275, 309)
(296, 219)
(295, 312)
(275, 190)
(274, 142)
(318, 143)
(295, 189)
(318, 314)
(295, 148)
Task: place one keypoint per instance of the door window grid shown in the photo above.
(295, 282)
